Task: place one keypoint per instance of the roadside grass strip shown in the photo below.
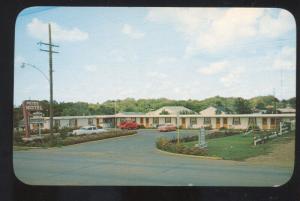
(234, 147)
(239, 147)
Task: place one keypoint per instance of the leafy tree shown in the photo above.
(229, 105)
(164, 112)
(242, 106)
(292, 102)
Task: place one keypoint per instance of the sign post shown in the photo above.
(177, 128)
(201, 138)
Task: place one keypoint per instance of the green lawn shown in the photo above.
(240, 148)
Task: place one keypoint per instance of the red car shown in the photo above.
(128, 125)
(166, 128)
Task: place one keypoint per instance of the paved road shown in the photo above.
(133, 160)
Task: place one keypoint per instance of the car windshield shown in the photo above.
(83, 128)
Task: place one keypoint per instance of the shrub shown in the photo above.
(208, 127)
(172, 146)
(222, 128)
(225, 133)
(253, 127)
(63, 139)
(17, 137)
(141, 126)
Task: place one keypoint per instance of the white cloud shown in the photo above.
(131, 32)
(90, 68)
(213, 68)
(232, 77)
(166, 60)
(285, 59)
(210, 29)
(274, 27)
(39, 30)
(157, 75)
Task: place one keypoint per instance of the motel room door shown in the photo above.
(183, 122)
(147, 122)
(142, 120)
(97, 120)
(265, 123)
(217, 122)
(273, 123)
(225, 122)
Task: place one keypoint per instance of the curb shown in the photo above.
(191, 156)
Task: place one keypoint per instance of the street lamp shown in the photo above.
(23, 65)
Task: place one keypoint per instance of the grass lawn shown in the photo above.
(240, 148)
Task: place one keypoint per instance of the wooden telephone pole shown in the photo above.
(50, 51)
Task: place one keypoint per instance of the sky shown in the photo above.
(108, 53)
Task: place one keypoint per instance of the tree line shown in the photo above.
(234, 105)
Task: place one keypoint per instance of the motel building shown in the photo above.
(186, 118)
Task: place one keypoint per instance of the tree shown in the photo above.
(164, 112)
(242, 106)
(292, 102)
(18, 116)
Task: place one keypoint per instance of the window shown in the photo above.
(193, 120)
(122, 119)
(236, 121)
(56, 123)
(90, 121)
(133, 119)
(272, 121)
(264, 120)
(168, 120)
(207, 120)
(155, 120)
(72, 123)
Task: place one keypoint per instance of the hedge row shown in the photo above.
(224, 133)
(63, 140)
(46, 131)
(170, 146)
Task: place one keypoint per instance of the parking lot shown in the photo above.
(134, 160)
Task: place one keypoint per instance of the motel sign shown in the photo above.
(28, 107)
(32, 106)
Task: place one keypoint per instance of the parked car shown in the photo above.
(167, 127)
(128, 125)
(88, 130)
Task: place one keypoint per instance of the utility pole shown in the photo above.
(50, 51)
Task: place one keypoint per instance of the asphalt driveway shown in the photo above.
(134, 160)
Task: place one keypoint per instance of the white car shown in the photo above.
(88, 130)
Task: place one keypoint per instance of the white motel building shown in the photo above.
(186, 118)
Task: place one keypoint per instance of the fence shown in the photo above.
(284, 128)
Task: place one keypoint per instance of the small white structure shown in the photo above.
(287, 110)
